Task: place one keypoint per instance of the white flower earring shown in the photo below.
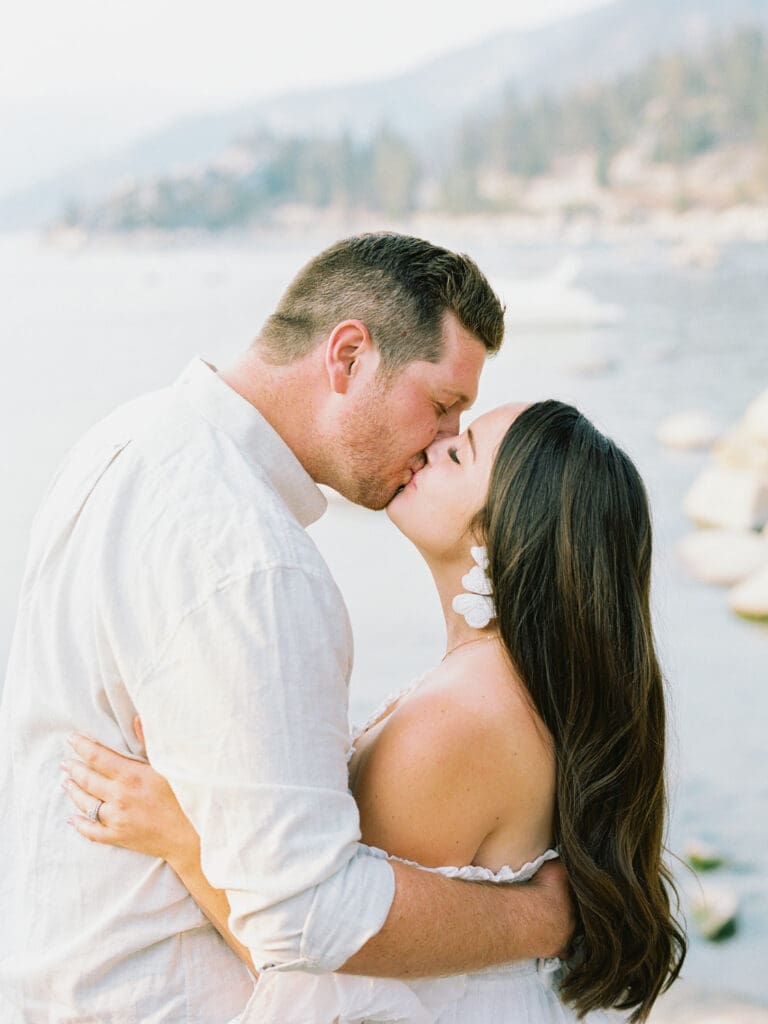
(476, 606)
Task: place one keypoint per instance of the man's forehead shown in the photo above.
(455, 377)
(456, 383)
(457, 380)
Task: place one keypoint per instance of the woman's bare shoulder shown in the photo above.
(438, 778)
(485, 693)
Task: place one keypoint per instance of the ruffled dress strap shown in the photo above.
(475, 873)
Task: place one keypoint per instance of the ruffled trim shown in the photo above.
(475, 873)
(298, 997)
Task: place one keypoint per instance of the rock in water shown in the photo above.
(734, 499)
(715, 911)
(723, 557)
(750, 597)
(740, 449)
(703, 857)
(755, 420)
(688, 430)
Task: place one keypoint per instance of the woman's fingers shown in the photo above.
(98, 757)
(93, 830)
(92, 783)
(140, 811)
(97, 831)
(107, 826)
(83, 801)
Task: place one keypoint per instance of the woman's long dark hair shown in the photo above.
(568, 531)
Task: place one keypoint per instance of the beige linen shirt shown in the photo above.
(170, 575)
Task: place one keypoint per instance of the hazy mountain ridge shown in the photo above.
(681, 132)
(423, 106)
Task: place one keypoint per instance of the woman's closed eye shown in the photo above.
(453, 454)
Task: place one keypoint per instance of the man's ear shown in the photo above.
(348, 348)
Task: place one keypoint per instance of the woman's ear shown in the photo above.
(348, 347)
(476, 530)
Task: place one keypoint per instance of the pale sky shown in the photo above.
(81, 79)
(206, 54)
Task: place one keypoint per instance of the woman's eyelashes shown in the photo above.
(453, 454)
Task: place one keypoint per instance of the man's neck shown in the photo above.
(286, 400)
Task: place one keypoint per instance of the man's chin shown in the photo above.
(378, 503)
(372, 496)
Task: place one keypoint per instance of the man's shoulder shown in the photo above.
(163, 494)
(193, 487)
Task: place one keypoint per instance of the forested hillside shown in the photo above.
(682, 130)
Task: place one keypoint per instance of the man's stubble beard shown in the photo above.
(366, 461)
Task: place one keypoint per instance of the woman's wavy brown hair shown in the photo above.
(568, 531)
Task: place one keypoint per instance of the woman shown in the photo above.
(542, 727)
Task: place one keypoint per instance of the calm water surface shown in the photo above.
(84, 331)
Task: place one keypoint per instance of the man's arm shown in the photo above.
(506, 923)
(245, 715)
(438, 925)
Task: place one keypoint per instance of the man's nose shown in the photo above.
(448, 424)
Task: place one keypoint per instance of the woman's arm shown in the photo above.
(213, 902)
(140, 812)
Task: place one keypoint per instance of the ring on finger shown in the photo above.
(93, 814)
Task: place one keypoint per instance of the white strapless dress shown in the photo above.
(524, 992)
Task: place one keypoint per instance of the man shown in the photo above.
(170, 575)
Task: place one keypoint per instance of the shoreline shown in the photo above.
(696, 227)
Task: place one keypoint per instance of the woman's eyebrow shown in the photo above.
(471, 437)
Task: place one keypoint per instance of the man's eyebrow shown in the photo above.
(471, 437)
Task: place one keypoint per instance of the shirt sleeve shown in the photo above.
(246, 716)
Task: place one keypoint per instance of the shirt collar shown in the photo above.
(242, 422)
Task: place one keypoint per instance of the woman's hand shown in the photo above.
(138, 810)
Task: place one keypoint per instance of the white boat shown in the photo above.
(552, 300)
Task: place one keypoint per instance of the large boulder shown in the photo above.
(741, 449)
(728, 497)
(723, 557)
(688, 430)
(755, 420)
(750, 597)
(745, 446)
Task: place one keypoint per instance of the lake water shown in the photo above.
(82, 331)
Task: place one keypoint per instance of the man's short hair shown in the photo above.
(400, 287)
